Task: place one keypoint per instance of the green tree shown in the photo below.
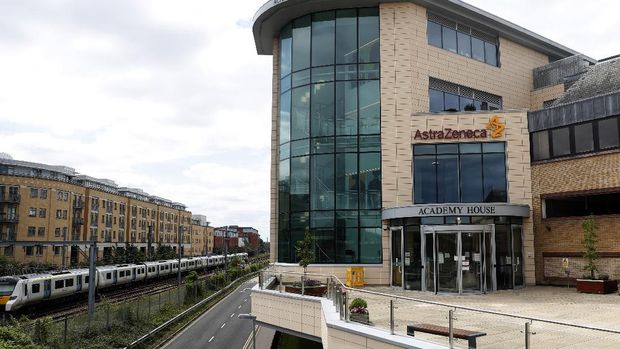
(590, 239)
(305, 251)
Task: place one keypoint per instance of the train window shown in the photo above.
(58, 284)
(69, 283)
(36, 288)
(108, 276)
(86, 278)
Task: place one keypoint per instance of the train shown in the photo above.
(27, 290)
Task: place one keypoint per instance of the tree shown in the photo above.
(305, 251)
(589, 242)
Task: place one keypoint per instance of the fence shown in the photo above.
(392, 313)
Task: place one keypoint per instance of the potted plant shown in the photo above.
(358, 311)
(593, 283)
(305, 252)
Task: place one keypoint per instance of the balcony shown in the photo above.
(6, 218)
(108, 238)
(10, 198)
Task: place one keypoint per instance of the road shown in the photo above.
(219, 327)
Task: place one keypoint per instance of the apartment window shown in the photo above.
(461, 39)
(43, 194)
(39, 250)
(64, 231)
(41, 231)
(57, 232)
(57, 250)
(588, 137)
(8, 251)
(34, 192)
(42, 212)
(29, 250)
(32, 231)
(58, 214)
(64, 214)
(32, 212)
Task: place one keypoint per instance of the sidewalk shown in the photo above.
(545, 302)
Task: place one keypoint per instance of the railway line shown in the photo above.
(79, 304)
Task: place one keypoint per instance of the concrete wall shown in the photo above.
(558, 238)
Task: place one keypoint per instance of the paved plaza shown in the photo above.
(542, 302)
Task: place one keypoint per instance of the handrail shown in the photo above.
(530, 318)
(184, 313)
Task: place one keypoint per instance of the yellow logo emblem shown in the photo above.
(496, 126)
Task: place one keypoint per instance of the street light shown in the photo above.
(253, 318)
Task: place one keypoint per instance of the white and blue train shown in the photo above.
(26, 290)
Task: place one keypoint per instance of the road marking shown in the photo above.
(233, 314)
(245, 300)
(211, 339)
(224, 324)
(239, 307)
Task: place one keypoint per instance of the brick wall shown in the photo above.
(537, 97)
(596, 172)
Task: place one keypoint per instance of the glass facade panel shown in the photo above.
(540, 145)
(346, 107)
(490, 53)
(560, 141)
(328, 177)
(433, 31)
(301, 43)
(368, 29)
(435, 100)
(608, 133)
(286, 41)
(346, 36)
(447, 178)
(584, 138)
(448, 37)
(464, 42)
(451, 102)
(323, 32)
(494, 174)
(425, 179)
(300, 113)
(477, 49)
(471, 174)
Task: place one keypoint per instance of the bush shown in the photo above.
(358, 303)
(12, 337)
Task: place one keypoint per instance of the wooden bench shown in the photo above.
(445, 331)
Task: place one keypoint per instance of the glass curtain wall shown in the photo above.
(329, 175)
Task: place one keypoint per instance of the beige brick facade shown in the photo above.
(561, 237)
(541, 95)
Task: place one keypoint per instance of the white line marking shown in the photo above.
(245, 300)
(233, 314)
(224, 324)
(211, 339)
(239, 307)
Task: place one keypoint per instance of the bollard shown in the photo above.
(450, 329)
(527, 335)
(391, 316)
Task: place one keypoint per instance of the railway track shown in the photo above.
(73, 306)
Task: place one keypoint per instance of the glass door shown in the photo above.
(447, 262)
(517, 248)
(503, 257)
(397, 252)
(412, 258)
(471, 262)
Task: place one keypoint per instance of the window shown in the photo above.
(58, 284)
(41, 231)
(108, 276)
(32, 212)
(39, 250)
(57, 250)
(36, 288)
(42, 212)
(68, 282)
(8, 250)
(58, 214)
(29, 250)
(34, 192)
(588, 137)
(466, 41)
(43, 194)
(583, 205)
(447, 96)
(32, 231)
(465, 172)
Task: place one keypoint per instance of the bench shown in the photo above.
(445, 331)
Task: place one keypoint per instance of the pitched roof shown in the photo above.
(600, 79)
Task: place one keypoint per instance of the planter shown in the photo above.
(597, 286)
(361, 318)
(316, 291)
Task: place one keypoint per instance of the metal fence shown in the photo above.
(392, 313)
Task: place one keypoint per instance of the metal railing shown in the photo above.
(502, 329)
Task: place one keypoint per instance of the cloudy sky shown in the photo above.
(170, 96)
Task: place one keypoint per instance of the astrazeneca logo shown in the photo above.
(495, 126)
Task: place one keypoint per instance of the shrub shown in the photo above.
(358, 303)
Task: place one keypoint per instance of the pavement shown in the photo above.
(219, 327)
(559, 304)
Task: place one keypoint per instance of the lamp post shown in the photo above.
(226, 253)
(253, 318)
(179, 267)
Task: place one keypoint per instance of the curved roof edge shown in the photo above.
(274, 14)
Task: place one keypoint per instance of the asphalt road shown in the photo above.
(219, 327)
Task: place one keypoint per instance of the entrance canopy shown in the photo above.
(475, 209)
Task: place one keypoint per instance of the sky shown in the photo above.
(171, 97)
